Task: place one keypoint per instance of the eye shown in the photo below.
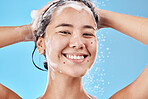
(88, 34)
(64, 32)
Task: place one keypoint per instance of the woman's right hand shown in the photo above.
(14, 34)
(35, 14)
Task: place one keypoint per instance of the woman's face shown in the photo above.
(71, 43)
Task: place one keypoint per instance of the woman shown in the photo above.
(73, 44)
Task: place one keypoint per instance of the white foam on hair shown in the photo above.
(77, 6)
(35, 23)
(35, 16)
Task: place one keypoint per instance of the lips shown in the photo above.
(75, 57)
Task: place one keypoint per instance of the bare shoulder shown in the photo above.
(136, 90)
(6, 93)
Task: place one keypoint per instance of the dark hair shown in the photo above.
(45, 19)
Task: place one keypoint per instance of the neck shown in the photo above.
(64, 87)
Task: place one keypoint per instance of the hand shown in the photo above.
(35, 14)
(102, 21)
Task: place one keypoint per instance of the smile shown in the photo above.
(76, 58)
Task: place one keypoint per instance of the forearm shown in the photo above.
(14, 34)
(135, 27)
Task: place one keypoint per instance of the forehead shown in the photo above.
(76, 16)
(74, 4)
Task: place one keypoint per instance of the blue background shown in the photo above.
(119, 62)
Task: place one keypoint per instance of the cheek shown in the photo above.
(55, 46)
(59, 43)
(92, 46)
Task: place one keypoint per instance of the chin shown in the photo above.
(79, 73)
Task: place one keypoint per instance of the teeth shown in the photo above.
(71, 57)
(74, 57)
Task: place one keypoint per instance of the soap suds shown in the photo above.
(77, 6)
(34, 14)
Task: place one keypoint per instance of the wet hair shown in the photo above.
(46, 18)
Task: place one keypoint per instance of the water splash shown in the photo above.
(93, 81)
(100, 3)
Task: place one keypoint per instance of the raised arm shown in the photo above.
(136, 90)
(133, 26)
(6, 93)
(11, 35)
(137, 28)
(14, 34)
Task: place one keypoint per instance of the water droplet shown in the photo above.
(109, 52)
(108, 83)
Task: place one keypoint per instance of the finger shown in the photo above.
(37, 13)
(47, 5)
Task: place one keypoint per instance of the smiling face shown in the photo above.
(70, 41)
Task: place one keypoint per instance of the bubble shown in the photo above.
(103, 40)
(100, 59)
(104, 74)
(107, 48)
(102, 56)
(109, 52)
(108, 83)
(98, 37)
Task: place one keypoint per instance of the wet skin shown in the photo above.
(71, 33)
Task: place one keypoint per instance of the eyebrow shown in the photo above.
(64, 25)
(70, 25)
(88, 26)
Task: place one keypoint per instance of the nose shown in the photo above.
(76, 42)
